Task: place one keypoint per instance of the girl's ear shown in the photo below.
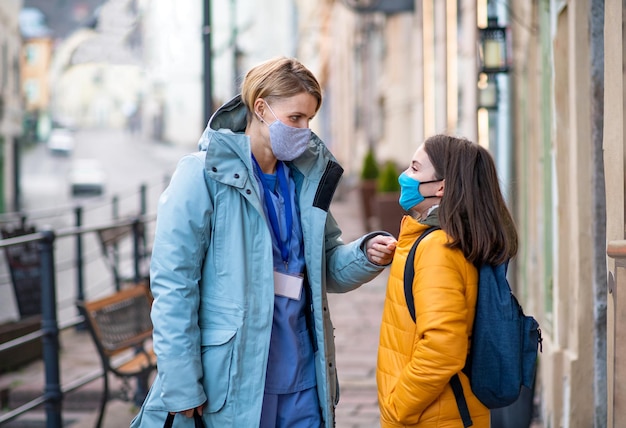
(440, 190)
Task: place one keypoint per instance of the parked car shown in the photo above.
(61, 141)
(87, 177)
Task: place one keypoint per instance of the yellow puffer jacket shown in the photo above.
(417, 360)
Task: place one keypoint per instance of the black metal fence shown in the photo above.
(30, 256)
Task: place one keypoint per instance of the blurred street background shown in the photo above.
(100, 98)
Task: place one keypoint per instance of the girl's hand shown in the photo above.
(380, 249)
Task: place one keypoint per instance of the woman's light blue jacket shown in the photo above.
(212, 278)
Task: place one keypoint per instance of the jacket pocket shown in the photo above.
(217, 354)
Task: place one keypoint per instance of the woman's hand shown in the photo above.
(380, 249)
(189, 412)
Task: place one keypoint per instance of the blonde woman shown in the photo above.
(244, 253)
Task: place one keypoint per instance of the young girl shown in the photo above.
(451, 183)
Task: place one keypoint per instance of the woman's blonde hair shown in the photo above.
(278, 78)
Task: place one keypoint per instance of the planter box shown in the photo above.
(389, 212)
(25, 353)
(368, 195)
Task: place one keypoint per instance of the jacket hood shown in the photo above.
(232, 115)
(229, 118)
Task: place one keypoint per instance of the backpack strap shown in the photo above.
(409, 272)
(457, 388)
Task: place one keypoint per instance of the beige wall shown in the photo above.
(552, 116)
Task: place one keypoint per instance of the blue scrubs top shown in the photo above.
(291, 365)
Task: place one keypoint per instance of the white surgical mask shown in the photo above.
(287, 142)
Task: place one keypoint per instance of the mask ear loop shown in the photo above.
(259, 116)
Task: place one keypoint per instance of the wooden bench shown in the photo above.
(110, 238)
(120, 324)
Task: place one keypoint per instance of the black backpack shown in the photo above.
(504, 342)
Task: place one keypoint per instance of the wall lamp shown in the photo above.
(493, 48)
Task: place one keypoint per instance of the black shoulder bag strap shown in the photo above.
(409, 274)
(197, 420)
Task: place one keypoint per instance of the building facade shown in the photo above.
(400, 77)
(10, 102)
(243, 33)
(96, 75)
(561, 202)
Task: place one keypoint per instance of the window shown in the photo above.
(31, 90)
(30, 54)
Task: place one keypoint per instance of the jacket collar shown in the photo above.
(411, 228)
(228, 150)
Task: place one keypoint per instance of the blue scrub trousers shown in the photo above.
(297, 410)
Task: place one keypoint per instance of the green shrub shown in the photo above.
(370, 169)
(388, 180)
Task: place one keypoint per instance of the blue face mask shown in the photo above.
(410, 191)
(287, 142)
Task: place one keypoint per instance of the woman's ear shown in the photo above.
(440, 190)
(259, 108)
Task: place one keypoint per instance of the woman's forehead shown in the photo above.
(303, 103)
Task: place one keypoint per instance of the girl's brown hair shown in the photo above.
(278, 78)
(472, 210)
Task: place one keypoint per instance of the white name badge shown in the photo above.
(288, 285)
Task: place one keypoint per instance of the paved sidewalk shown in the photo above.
(356, 318)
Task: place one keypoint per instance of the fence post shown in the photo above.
(50, 329)
(80, 283)
(143, 201)
(143, 209)
(115, 202)
(137, 235)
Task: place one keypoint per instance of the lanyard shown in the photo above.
(271, 210)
